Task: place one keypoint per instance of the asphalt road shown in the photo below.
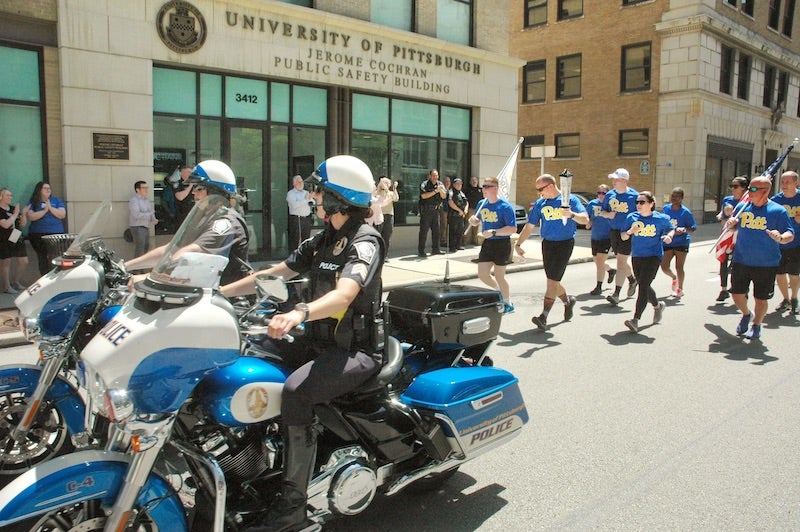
(682, 426)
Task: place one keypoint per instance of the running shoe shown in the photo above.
(613, 299)
(743, 323)
(632, 325)
(540, 321)
(508, 308)
(11, 290)
(611, 274)
(19, 286)
(674, 286)
(658, 312)
(754, 333)
(723, 295)
(569, 305)
(596, 292)
(794, 307)
(678, 292)
(632, 287)
(784, 306)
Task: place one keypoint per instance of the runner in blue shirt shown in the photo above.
(649, 231)
(763, 225)
(558, 239)
(619, 203)
(788, 275)
(682, 221)
(738, 187)
(601, 239)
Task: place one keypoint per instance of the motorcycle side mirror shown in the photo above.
(272, 286)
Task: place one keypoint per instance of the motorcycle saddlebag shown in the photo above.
(484, 404)
(444, 316)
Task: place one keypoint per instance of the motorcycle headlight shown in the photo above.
(118, 405)
(31, 329)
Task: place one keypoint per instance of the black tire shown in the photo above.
(47, 438)
(431, 482)
(89, 516)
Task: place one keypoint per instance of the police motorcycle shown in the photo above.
(194, 442)
(42, 413)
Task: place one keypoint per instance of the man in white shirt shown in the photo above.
(299, 213)
(140, 218)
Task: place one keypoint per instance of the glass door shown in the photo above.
(247, 153)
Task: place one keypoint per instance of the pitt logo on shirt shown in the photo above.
(642, 229)
(551, 213)
(618, 206)
(488, 215)
(751, 221)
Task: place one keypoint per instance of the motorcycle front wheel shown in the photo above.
(47, 438)
(87, 516)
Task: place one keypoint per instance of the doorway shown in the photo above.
(247, 151)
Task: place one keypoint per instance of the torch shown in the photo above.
(566, 187)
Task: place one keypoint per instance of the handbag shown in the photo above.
(127, 235)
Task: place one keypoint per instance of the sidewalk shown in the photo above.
(405, 268)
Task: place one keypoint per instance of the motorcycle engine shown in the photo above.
(241, 452)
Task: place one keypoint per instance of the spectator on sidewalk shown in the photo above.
(788, 276)
(141, 216)
(45, 213)
(558, 240)
(600, 240)
(12, 245)
(763, 226)
(683, 223)
(738, 187)
(474, 196)
(498, 222)
(617, 205)
(387, 196)
(431, 194)
(184, 199)
(299, 202)
(443, 213)
(457, 207)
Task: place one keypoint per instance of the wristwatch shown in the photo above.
(494, 232)
(302, 307)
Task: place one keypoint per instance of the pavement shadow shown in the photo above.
(736, 348)
(535, 338)
(601, 307)
(723, 309)
(628, 337)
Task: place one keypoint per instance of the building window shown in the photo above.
(568, 77)
(632, 2)
(21, 118)
(730, 2)
(769, 86)
(783, 88)
(747, 7)
(726, 69)
(634, 142)
(393, 13)
(743, 86)
(535, 13)
(304, 3)
(569, 9)
(530, 142)
(635, 67)
(534, 83)
(454, 21)
(788, 18)
(774, 16)
(568, 145)
(404, 139)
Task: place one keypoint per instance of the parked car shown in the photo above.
(581, 197)
(521, 216)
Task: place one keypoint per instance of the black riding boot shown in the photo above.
(288, 512)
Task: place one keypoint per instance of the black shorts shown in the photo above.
(555, 256)
(9, 250)
(684, 249)
(496, 250)
(601, 246)
(762, 277)
(619, 246)
(790, 261)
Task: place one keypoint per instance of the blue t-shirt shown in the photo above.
(754, 247)
(601, 227)
(621, 204)
(548, 213)
(792, 206)
(496, 216)
(648, 230)
(47, 224)
(682, 217)
(727, 200)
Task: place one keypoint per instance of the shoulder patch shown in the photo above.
(221, 226)
(361, 271)
(365, 251)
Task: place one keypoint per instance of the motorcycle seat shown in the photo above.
(392, 364)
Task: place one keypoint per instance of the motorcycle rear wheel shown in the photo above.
(87, 516)
(47, 438)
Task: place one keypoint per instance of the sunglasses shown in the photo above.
(488, 186)
(539, 189)
(641, 202)
(735, 186)
(756, 189)
(199, 188)
(601, 192)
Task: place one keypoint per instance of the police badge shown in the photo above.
(181, 26)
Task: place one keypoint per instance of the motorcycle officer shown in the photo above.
(344, 262)
(226, 235)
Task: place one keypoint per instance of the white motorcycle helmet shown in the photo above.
(347, 180)
(216, 174)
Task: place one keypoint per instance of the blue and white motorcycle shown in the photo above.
(42, 413)
(195, 413)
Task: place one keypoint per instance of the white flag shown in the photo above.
(504, 177)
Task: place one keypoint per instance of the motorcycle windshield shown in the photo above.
(196, 255)
(92, 231)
